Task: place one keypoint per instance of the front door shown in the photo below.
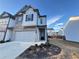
(42, 34)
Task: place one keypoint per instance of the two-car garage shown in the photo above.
(28, 36)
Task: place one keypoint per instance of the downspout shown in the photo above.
(6, 30)
(46, 30)
(37, 28)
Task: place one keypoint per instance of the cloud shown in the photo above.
(53, 20)
(58, 26)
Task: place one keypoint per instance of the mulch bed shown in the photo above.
(40, 52)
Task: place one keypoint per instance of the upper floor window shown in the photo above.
(41, 21)
(29, 17)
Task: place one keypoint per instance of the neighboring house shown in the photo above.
(26, 25)
(71, 29)
(61, 32)
(52, 34)
(50, 31)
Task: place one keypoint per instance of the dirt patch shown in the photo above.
(42, 51)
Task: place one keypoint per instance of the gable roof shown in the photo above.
(20, 12)
(6, 14)
(25, 8)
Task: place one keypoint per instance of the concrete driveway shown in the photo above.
(11, 50)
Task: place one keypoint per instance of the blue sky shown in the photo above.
(57, 11)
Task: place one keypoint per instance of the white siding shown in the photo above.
(1, 35)
(18, 20)
(28, 36)
(13, 36)
(3, 23)
(11, 23)
(30, 23)
(71, 29)
(8, 35)
(43, 20)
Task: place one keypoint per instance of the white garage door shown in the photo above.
(28, 36)
(1, 35)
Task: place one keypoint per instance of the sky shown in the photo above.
(57, 11)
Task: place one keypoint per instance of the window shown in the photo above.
(29, 17)
(41, 21)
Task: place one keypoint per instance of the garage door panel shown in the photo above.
(1, 35)
(25, 36)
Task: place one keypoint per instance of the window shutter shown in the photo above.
(32, 17)
(26, 18)
(41, 21)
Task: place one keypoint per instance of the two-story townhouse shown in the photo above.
(7, 23)
(26, 25)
